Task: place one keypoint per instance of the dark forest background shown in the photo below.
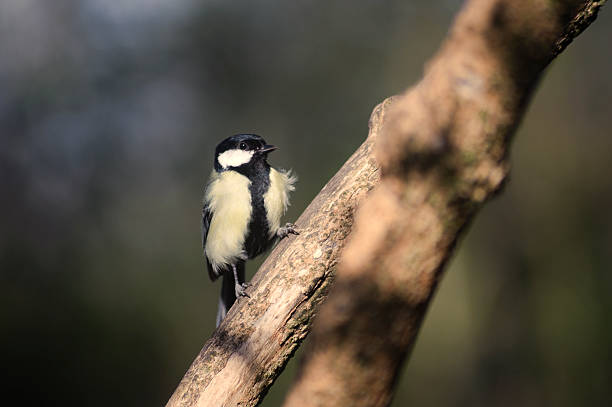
(109, 114)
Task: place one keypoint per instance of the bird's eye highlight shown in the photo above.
(243, 146)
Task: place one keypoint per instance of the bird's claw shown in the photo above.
(240, 290)
(289, 228)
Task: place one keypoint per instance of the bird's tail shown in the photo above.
(228, 290)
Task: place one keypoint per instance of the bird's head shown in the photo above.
(241, 150)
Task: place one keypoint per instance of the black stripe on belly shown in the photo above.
(257, 240)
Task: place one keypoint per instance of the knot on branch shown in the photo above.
(414, 134)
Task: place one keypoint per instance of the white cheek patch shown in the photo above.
(234, 158)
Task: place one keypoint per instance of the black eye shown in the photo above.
(243, 146)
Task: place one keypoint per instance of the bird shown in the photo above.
(243, 204)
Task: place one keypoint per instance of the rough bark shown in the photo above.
(443, 151)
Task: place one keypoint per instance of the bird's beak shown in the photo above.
(267, 148)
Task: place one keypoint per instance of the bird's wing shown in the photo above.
(206, 219)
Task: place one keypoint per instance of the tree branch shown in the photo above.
(443, 152)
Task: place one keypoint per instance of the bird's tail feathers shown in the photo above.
(228, 290)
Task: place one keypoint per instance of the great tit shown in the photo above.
(241, 216)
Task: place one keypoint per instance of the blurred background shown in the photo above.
(109, 114)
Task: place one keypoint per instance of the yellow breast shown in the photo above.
(276, 198)
(229, 200)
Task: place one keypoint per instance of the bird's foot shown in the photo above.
(240, 290)
(284, 231)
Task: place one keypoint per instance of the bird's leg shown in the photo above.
(284, 231)
(239, 288)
